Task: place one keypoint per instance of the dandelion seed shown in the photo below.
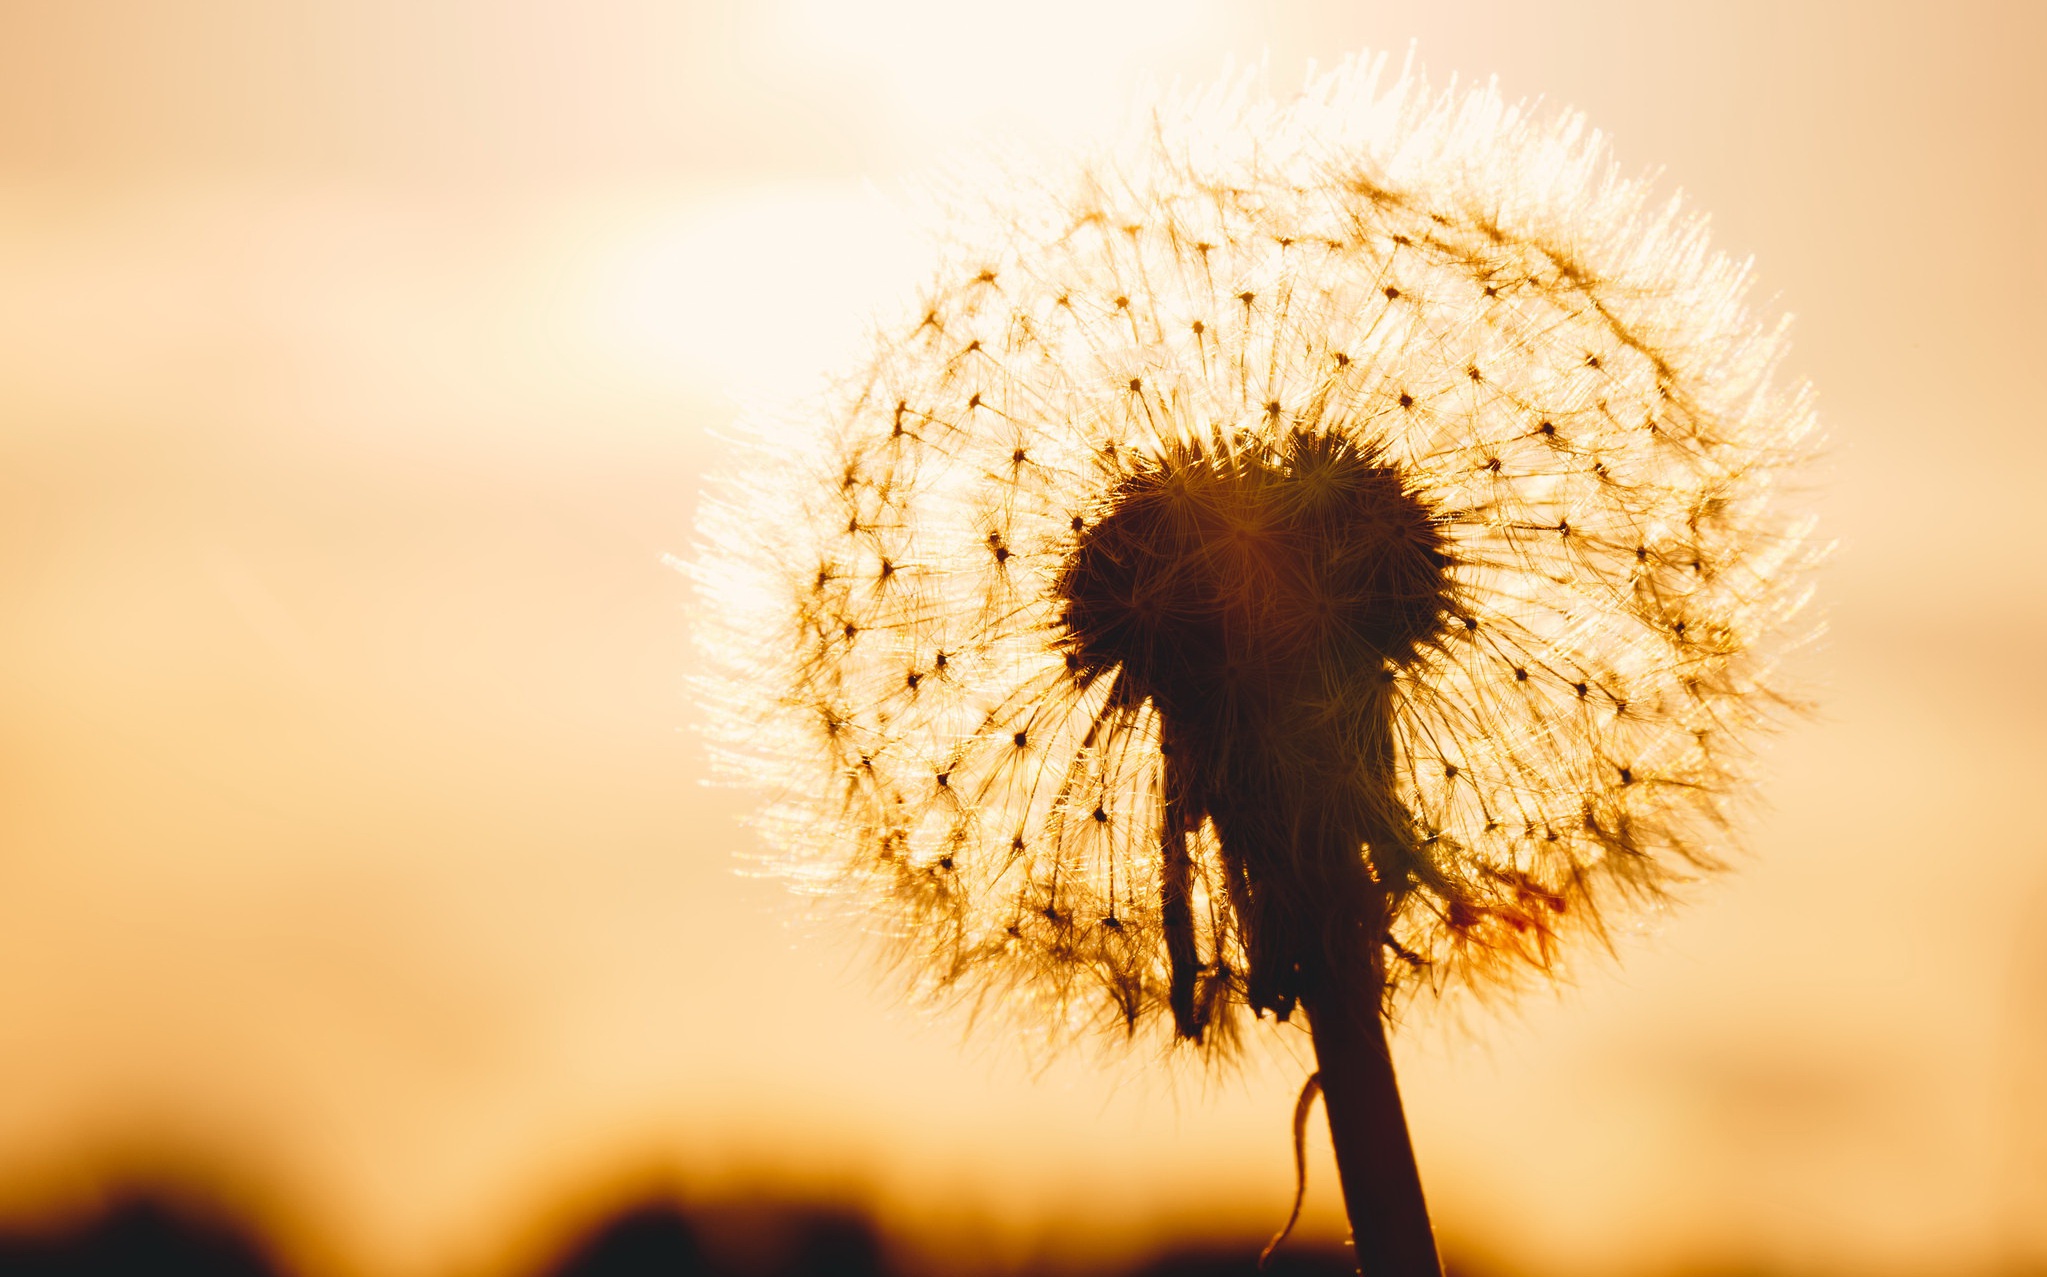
(1316, 697)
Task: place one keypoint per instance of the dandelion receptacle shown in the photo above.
(1317, 553)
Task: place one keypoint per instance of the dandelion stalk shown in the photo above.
(1259, 595)
(1317, 554)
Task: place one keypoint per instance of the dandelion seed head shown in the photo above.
(1381, 443)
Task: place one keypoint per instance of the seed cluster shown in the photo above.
(1085, 488)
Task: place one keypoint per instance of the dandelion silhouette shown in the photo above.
(1317, 552)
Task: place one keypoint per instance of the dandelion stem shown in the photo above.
(1382, 1188)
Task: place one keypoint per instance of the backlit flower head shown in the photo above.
(1378, 454)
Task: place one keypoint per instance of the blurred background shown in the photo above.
(358, 363)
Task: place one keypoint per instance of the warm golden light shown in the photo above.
(359, 364)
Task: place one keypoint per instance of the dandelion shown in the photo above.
(1316, 553)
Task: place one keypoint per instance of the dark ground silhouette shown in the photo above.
(140, 1235)
(162, 1235)
(153, 1236)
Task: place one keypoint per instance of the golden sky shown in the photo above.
(358, 363)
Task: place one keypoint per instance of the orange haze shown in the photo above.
(358, 362)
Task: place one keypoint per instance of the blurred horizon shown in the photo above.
(360, 362)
